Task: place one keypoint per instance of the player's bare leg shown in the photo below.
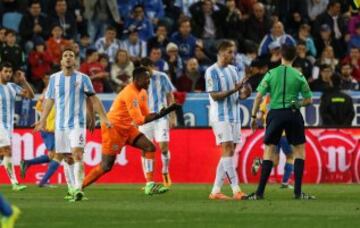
(9, 167)
(145, 144)
(106, 164)
(165, 159)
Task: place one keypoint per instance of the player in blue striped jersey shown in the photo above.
(8, 93)
(68, 90)
(223, 85)
(160, 95)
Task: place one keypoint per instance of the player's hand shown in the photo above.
(253, 125)
(90, 123)
(39, 125)
(19, 77)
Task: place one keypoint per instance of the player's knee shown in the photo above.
(106, 166)
(77, 156)
(164, 147)
(150, 147)
(58, 157)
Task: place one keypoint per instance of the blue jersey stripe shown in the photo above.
(216, 81)
(61, 99)
(221, 104)
(72, 101)
(4, 106)
(155, 98)
(81, 102)
(12, 94)
(228, 100)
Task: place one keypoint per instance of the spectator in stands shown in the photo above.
(347, 82)
(84, 44)
(12, 52)
(172, 15)
(335, 21)
(353, 22)
(33, 24)
(185, 6)
(138, 20)
(121, 70)
(159, 40)
(257, 25)
(207, 24)
(324, 82)
(355, 38)
(203, 60)
(302, 60)
(242, 61)
(305, 36)
(233, 26)
(184, 39)
(354, 59)
(154, 10)
(315, 8)
(156, 57)
(328, 57)
(192, 80)
(94, 70)
(99, 15)
(134, 45)
(292, 13)
(326, 39)
(65, 19)
(125, 7)
(56, 43)
(336, 107)
(75, 46)
(108, 44)
(277, 34)
(2, 37)
(174, 61)
(40, 62)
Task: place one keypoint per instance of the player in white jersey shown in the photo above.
(8, 93)
(159, 96)
(68, 90)
(223, 85)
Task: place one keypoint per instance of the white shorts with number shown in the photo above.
(5, 137)
(158, 130)
(226, 132)
(67, 139)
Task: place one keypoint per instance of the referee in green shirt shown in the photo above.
(284, 84)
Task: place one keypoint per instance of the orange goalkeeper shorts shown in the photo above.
(113, 139)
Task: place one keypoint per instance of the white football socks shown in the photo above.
(230, 173)
(79, 174)
(165, 159)
(10, 170)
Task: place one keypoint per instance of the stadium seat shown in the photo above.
(12, 20)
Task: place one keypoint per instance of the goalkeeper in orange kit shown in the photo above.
(128, 111)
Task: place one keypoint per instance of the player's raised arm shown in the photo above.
(27, 90)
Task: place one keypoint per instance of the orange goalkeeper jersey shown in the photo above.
(129, 107)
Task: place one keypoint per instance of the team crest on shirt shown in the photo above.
(210, 82)
(135, 103)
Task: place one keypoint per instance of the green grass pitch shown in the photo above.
(186, 206)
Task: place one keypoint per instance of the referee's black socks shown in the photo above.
(265, 173)
(298, 174)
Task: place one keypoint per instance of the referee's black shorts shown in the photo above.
(286, 119)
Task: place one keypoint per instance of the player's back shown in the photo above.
(129, 99)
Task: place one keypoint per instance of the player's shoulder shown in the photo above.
(81, 74)
(55, 75)
(211, 70)
(160, 74)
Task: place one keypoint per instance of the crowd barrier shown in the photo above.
(332, 156)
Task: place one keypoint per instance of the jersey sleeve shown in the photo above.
(305, 89)
(264, 86)
(18, 89)
(50, 93)
(212, 81)
(167, 85)
(88, 87)
(133, 107)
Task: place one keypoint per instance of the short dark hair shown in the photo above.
(146, 62)
(183, 20)
(225, 44)
(10, 31)
(301, 42)
(69, 48)
(110, 28)
(288, 52)
(34, 2)
(6, 64)
(139, 72)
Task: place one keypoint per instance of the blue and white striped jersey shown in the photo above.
(8, 94)
(223, 79)
(160, 85)
(69, 93)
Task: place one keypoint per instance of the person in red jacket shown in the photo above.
(40, 62)
(56, 43)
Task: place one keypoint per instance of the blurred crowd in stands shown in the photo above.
(180, 37)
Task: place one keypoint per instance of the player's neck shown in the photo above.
(222, 63)
(3, 82)
(286, 63)
(68, 71)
